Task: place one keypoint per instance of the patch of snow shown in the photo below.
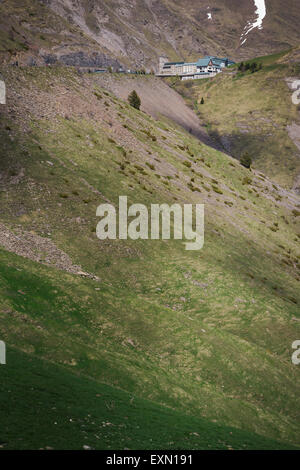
(209, 16)
(261, 12)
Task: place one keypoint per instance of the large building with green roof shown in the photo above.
(209, 66)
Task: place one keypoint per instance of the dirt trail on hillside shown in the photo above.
(157, 99)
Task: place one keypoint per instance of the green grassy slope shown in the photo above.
(251, 112)
(205, 333)
(71, 411)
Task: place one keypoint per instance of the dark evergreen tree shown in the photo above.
(253, 67)
(134, 100)
(246, 160)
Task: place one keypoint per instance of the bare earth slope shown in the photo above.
(157, 98)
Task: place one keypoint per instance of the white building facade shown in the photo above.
(209, 66)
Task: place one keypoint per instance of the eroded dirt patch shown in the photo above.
(32, 246)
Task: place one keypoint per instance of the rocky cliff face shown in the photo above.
(137, 32)
(33, 34)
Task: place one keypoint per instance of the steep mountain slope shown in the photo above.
(137, 32)
(32, 34)
(75, 412)
(143, 30)
(158, 100)
(254, 112)
(205, 333)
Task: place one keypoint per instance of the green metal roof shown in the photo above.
(217, 61)
(186, 63)
(173, 63)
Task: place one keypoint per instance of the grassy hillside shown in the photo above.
(75, 412)
(252, 112)
(207, 334)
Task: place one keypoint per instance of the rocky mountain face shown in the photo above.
(33, 34)
(139, 31)
(136, 32)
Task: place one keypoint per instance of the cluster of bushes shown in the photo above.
(98, 95)
(148, 133)
(246, 160)
(246, 180)
(193, 188)
(140, 169)
(250, 67)
(150, 165)
(217, 190)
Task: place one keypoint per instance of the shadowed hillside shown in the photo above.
(75, 412)
(205, 334)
